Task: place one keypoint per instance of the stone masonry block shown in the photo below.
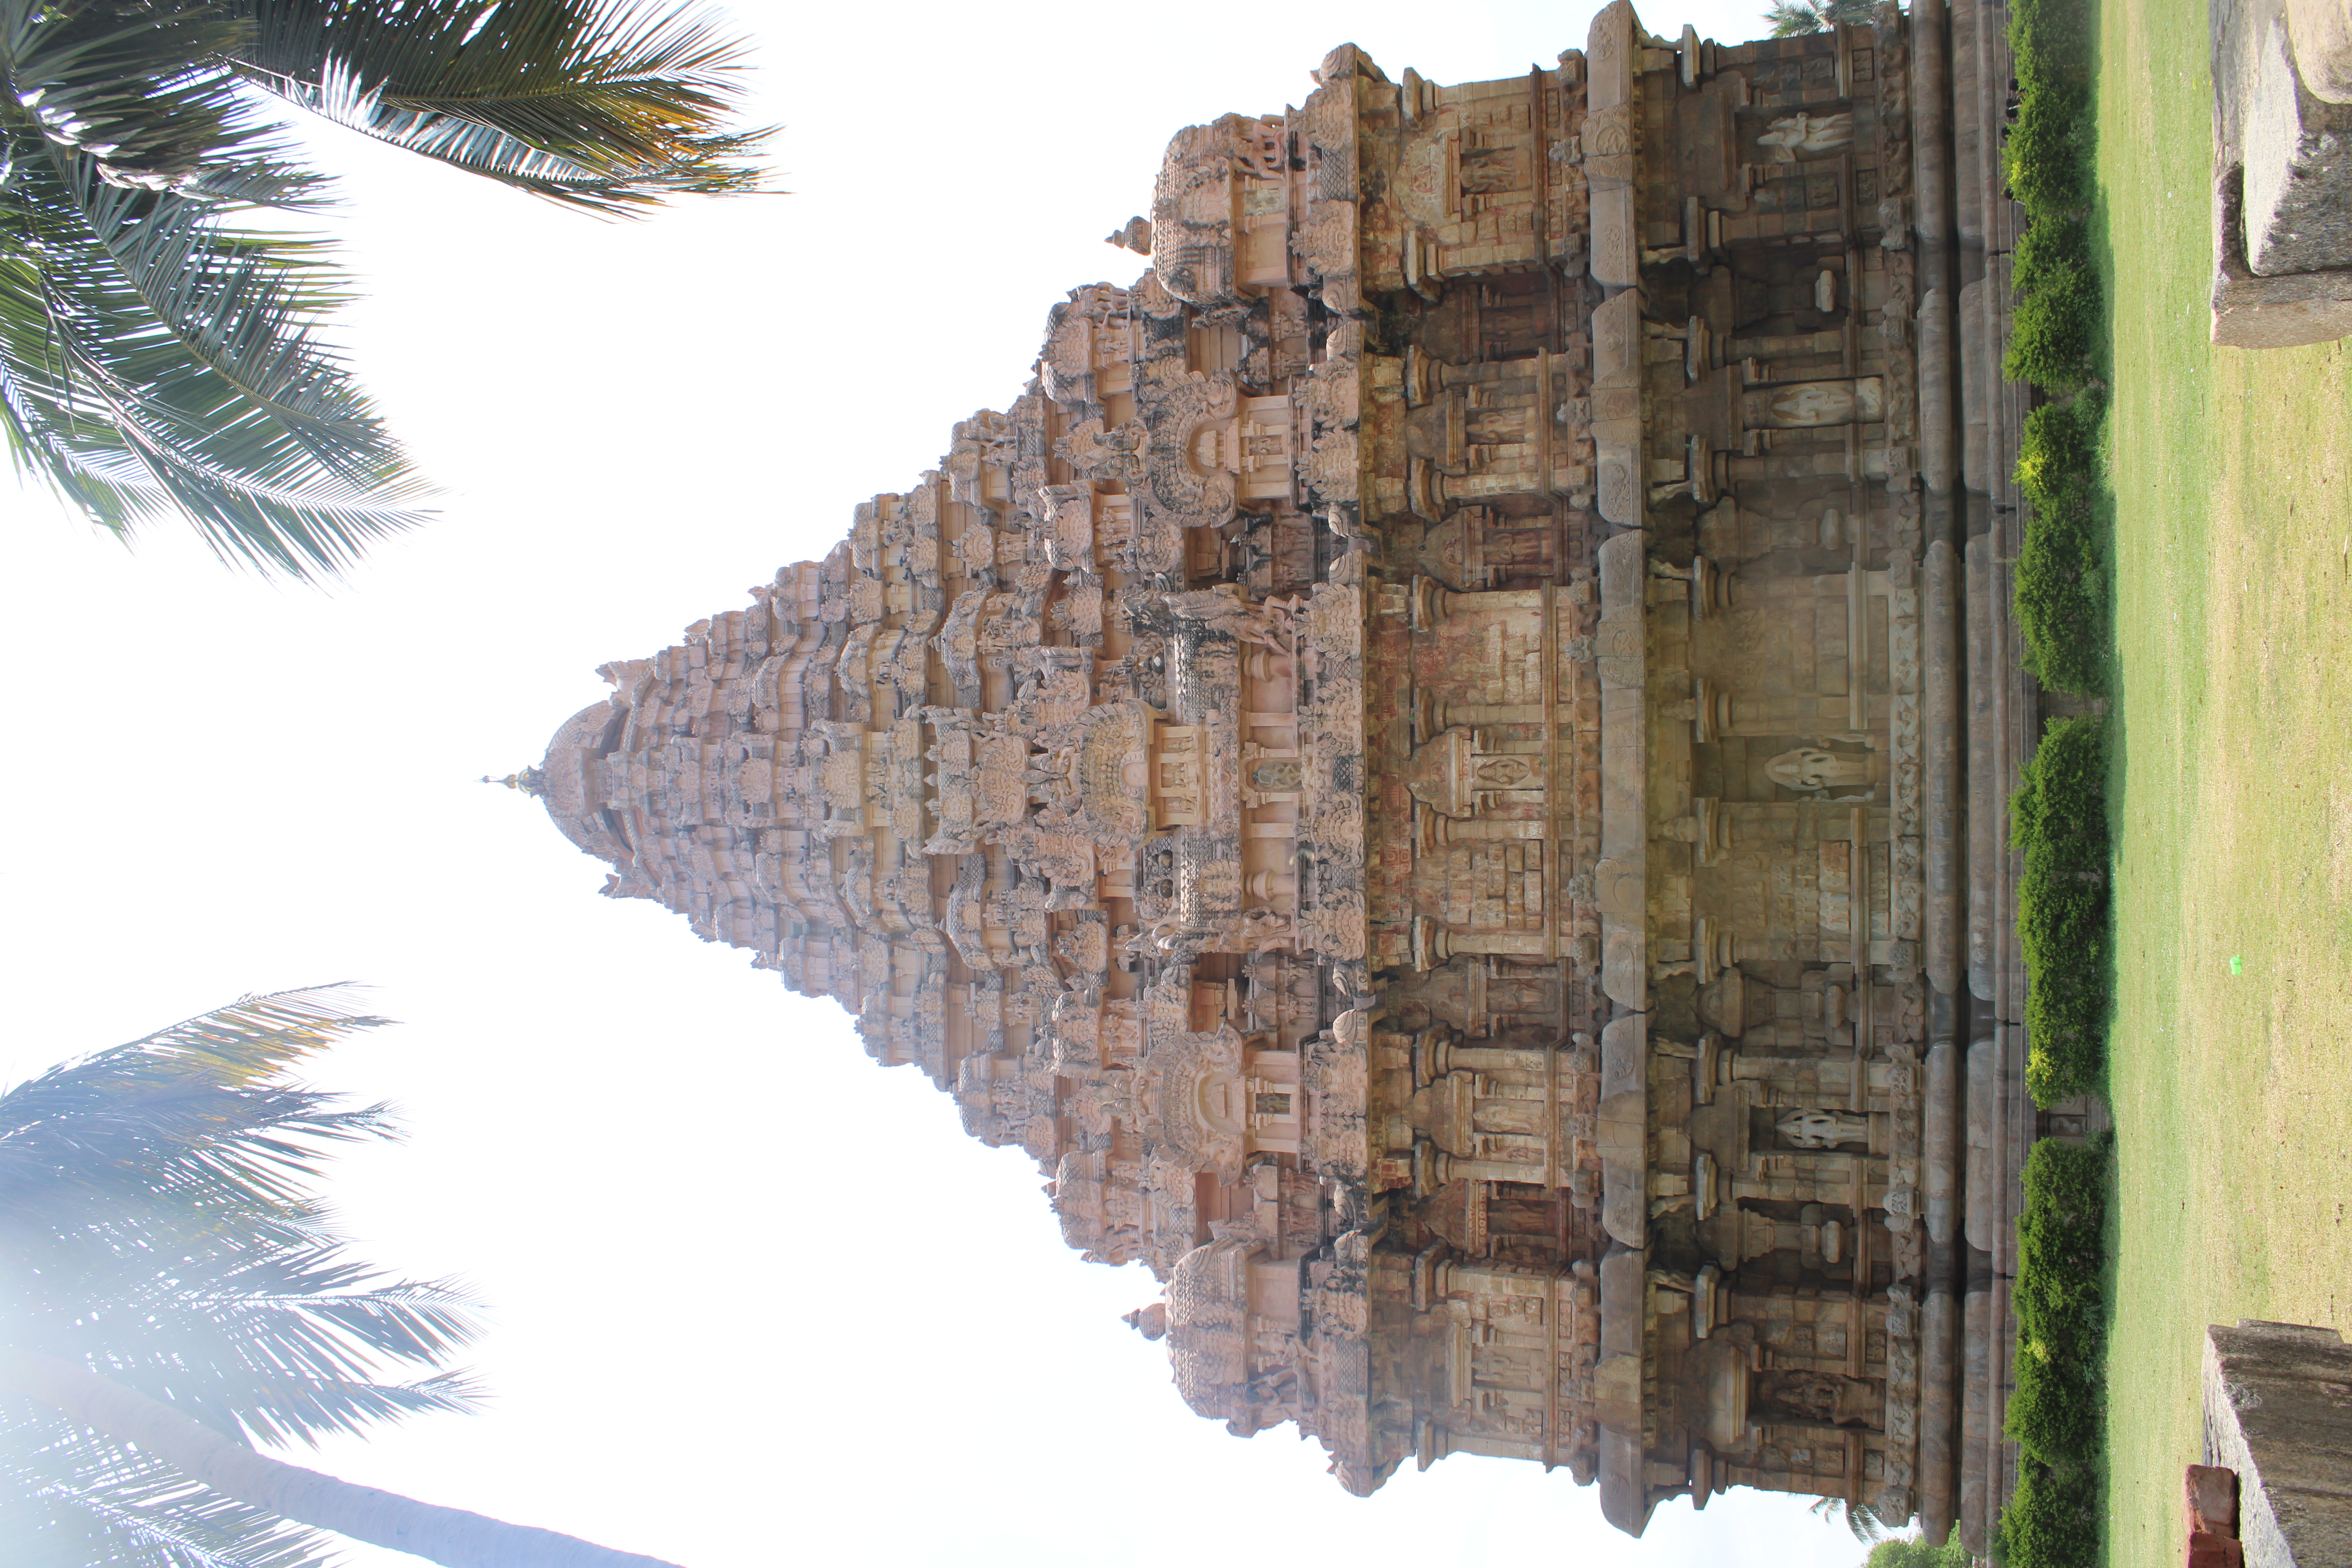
(2322, 31)
(2278, 1411)
(2298, 151)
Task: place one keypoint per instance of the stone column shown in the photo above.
(1931, 183)
(1983, 1150)
(1978, 1505)
(1939, 1375)
(1976, 153)
(1940, 1135)
(1983, 803)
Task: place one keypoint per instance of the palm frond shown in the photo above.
(156, 1226)
(609, 105)
(259, 182)
(153, 362)
(196, 1111)
(1795, 18)
(71, 1497)
(274, 1366)
(141, 88)
(1859, 1519)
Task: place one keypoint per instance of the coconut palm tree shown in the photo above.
(1859, 1518)
(172, 1292)
(156, 361)
(1794, 18)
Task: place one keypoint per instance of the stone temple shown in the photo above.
(1423, 770)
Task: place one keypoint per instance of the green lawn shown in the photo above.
(2232, 790)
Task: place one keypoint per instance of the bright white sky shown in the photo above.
(753, 1300)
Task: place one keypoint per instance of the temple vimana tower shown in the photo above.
(1423, 771)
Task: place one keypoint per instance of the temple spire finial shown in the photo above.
(531, 782)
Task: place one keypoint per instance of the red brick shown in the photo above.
(2207, 1550)
(2212, 1500)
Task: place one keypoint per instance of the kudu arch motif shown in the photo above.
(1376, 772)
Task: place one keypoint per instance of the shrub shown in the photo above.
(2054, 342)
(2052, 1412)
(2060, 816)
(2049, 147)
(2049, 37)
(2055, 1412)
(2048, 162)
(2053, 1520)
(2054, 337)
(2054, 248)
(2059, 465)
(1916, 1551)
(2065, 1189)
(2061, 1252)
(2059, 819)
(2060, 599)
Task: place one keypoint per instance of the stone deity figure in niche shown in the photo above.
(1813, 404)
(1800, 135)
(1823, 1129)
(1504, 771)
(1812, 768)
(1827, 1397)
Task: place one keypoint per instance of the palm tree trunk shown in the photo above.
(449, 1536)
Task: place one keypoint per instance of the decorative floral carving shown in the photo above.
(1185, 479)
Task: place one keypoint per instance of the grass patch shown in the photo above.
(2228, 730)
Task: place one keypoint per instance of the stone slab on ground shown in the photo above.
(2278, 1411)
(2298, 161)
(2283, 175)
(2322, 30)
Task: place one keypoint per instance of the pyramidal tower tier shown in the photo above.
(1420, 771)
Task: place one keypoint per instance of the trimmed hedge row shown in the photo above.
(2056, 1413)
(2048, 158)
(1913, 1552)
(2052, 1519)
(2050, 47)
(2056, 344)
(2059, 817)
(2060, 820)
